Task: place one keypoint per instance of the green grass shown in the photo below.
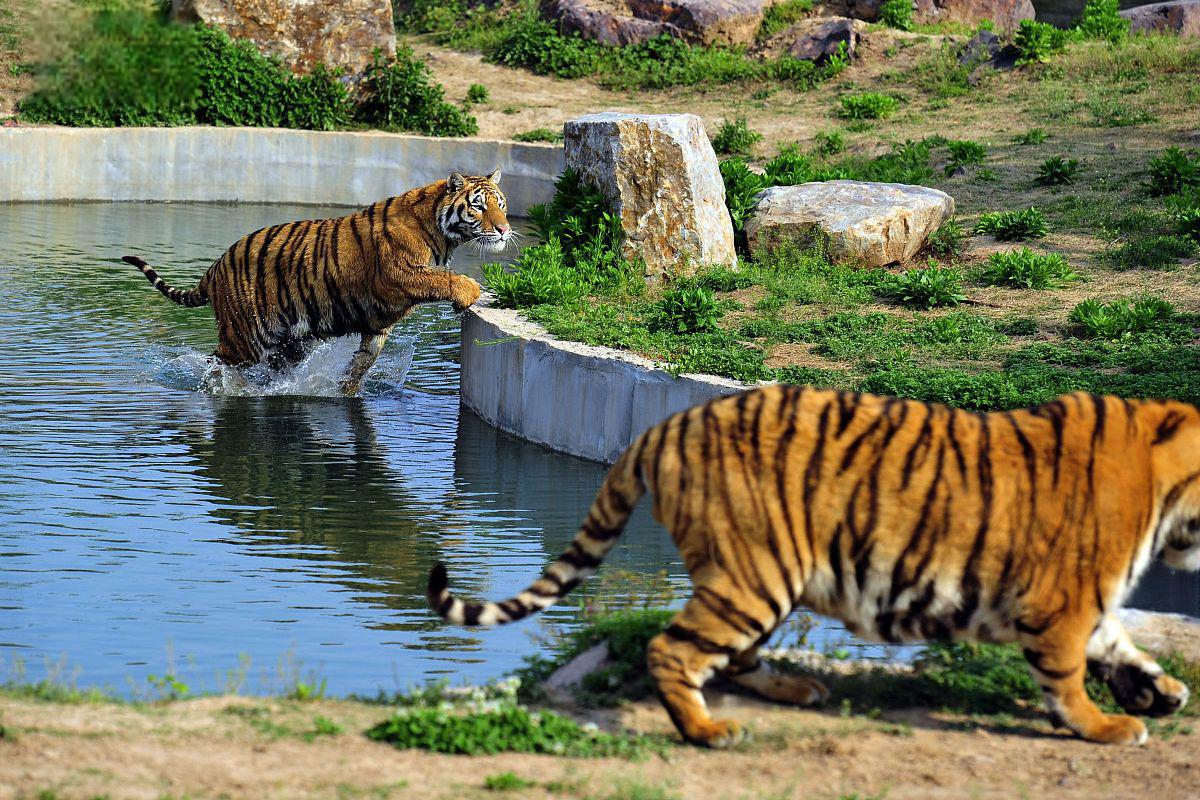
(867, 105)
(539, 135)
(1152, 251)
(506, 782)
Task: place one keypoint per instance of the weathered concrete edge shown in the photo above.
(586, 401)
(257, 165)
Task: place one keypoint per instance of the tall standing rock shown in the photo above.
(660, 173)
(303, 33)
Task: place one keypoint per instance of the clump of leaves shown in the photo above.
(735, 137)
(400, 95)
(897, 14)
(742, 186)
(1031, 136)
(788, 168)
(829, 143)
(1173, 171)
(506, 782)
(478, 93)
(1101, 19)
(1153, 251)
(1027, 269)
(687, 309)
(867, 105)
(1057, 171)
(929, 287)
(948, 241)
(538, 135)
(964, 153)
(1121, 319)
(1036, 42)
(1015, 226)
(1187, 222)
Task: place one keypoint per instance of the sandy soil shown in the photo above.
(239, 748)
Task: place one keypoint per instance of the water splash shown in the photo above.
(318, 375)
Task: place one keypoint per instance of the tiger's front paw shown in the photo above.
(466, 293)
(1141, 691)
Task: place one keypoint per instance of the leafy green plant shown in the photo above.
(897, 14)
(1027, 269)
(964, 154)
(735, 137)
(687, 309)
(1017, 226)
(1187, 222)
(1037, 42)
(789, 168)
(1120, 319)
(400, 95)
(1101, 19)
(539, 135)
(1031, 136)
(322, 726)
(1057, 171)
(506, 782)
(929, 287)
(478, 93)
(867, 105)
(948, 241)
(1153, 251)
(829, 143)
(1173, 171)
(781, 16)
(742, 186)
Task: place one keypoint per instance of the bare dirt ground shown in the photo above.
(242, 748)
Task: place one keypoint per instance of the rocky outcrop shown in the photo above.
(870, 224)
(623, 22)
(303, 33)
(1180, 17)
(986, 49)
(660, 174)
(1004, 14)
(818, 38)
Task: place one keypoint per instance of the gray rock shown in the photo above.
(303, 33)
(1004, 14)
(986, 48)
(871, 224)
(623, 22)
(819, 38)
(660, 173)
(1181, 17)
(561, 685)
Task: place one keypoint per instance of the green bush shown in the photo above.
(400, 95)
(1026, 269)
(735, 137)
(1121, 319)
(1057, 171)
(964, 154)
(1017, 226)
(1187, 222)
(742, 185)
(478, 93)
(539, 135)
(1174, 171)
(1037, 41)
(783, 15)
(897, 14)
(829, 143)
(789, 168)
(687, 309)
(1154, 251)
(929, 287)
(948, 240)
(1101, 19)
(867, 105)
(531, 42)
(1031, 136)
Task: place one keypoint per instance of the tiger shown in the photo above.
(908, 521)
(278, 289)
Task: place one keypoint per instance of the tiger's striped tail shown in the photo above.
(191, 298)
(605, 521)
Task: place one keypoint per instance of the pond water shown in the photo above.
(152, 521)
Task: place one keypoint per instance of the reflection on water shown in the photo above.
(144, 510)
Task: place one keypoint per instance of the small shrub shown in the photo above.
(964, 154)
(1173, 171)
(867, 105)
(930, 287)
(1121, 319)
(789, 168)
(539, 135)
(1031, 136)
(1027, 269)
(1016, 226)
(1057, 171)
(401, 95)
(948, 240)
(478, 93)
(1101, 19)
(742, 185)
(506, 782)
(687, 309)
(1154, 251)
(735, 137)
(1036, 42)
(829, 143)
(897, 14)
(1187, 222)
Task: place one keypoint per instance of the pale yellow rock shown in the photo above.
(660, 173)
(870, 224)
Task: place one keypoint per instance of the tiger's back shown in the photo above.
(908, 521)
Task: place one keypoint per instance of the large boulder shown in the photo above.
(623, 22)
(871, 224)
(303, 33)
(818, 38)
(1004, 14)
(660, 174)
(1181, 17)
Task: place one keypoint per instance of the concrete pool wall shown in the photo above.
(256, 165)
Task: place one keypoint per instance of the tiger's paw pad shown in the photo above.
(800, 691)
(719, 734)
(1141, 692)
(1119, 729)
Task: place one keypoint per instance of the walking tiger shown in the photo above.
(279, 288)
(908, 521)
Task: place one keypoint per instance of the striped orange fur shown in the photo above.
(280, 288)
(908, 521)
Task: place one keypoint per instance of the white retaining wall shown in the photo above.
(590, 402)
(257, 165)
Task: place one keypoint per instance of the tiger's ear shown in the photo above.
(495, 176)
(456, 182)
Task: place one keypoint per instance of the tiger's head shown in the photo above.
(474, 210)
(1176, 452)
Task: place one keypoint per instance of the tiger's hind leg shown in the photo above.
(364, 358)
(749, 671)
(1057, 656)
(1137, 681)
